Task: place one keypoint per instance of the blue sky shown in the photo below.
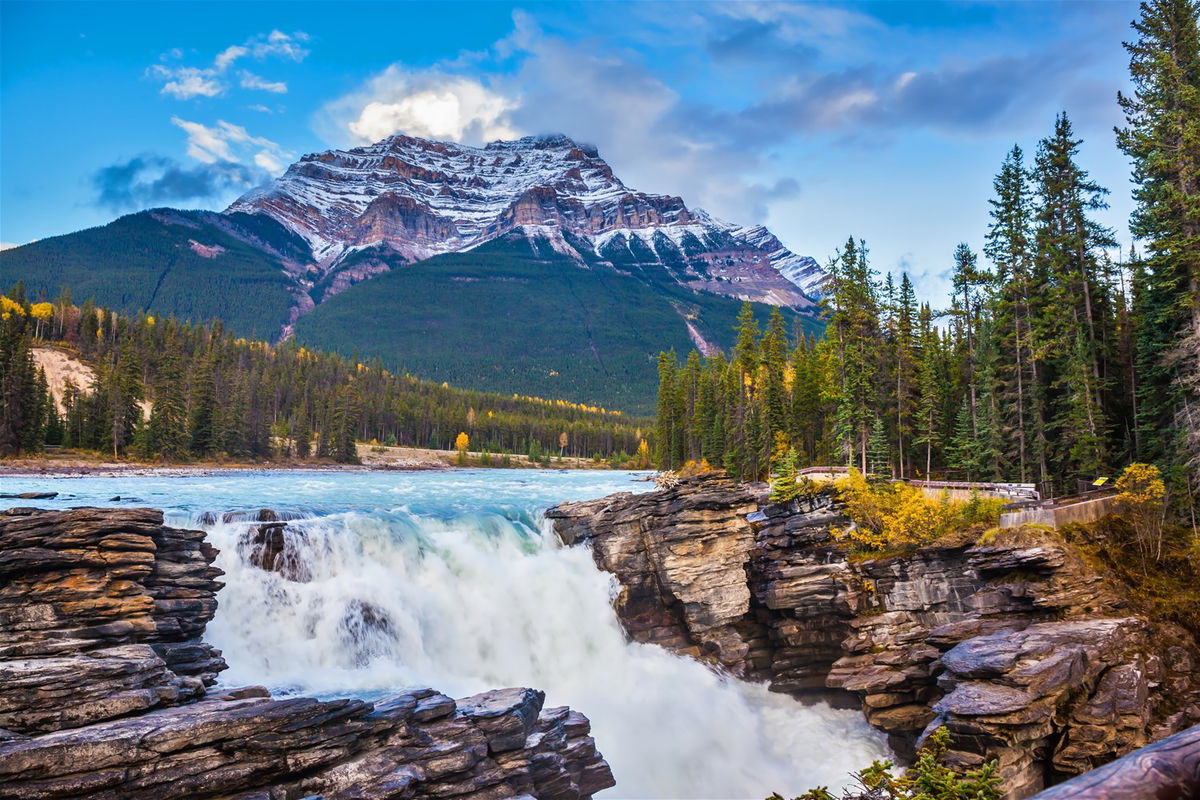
(884, 120)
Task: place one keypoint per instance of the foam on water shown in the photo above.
(451, 581)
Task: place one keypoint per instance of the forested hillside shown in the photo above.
(509, 317)
(212, 395)
(171, 263)
(1050, 361)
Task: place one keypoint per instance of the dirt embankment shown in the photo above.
(60, 369)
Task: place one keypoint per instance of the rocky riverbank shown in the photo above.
(106, 690)
(1021, 649)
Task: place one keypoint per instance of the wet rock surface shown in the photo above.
(104, 691)
(1025, 653)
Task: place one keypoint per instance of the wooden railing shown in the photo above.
(1026, 490)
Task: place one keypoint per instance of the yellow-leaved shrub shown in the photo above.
(897, 516)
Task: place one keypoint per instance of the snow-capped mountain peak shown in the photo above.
(421, 198)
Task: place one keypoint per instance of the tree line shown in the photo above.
(1051, 360)
(173, 391)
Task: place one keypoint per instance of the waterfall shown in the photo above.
(471, 601)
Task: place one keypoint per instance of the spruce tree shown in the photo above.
(166, 430)
(774, 355)
(931, 395)
(1162, 138)
(1010, 247)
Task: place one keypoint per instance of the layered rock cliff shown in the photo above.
(1025, 653)
(105, 691)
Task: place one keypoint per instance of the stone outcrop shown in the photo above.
(105, 690)
(1025, 653)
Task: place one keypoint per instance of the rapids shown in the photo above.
(452, 580)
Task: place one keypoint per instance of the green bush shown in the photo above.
(928, 779)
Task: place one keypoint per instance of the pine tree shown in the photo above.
(774, 357)
(879, 452)
(203, 431)
(1010, 248)
(1162, 138)
(665, 423)
(166, 430)
(853, 332)
(784, 478)
(905, 368)
(1076, 302)
(929, 428)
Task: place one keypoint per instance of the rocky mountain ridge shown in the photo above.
(105, 692)
(1023, 651)
(419, 198)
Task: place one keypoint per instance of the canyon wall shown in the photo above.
(1023, 651)
(106, 692)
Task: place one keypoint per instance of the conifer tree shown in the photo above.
(774, 356)
(665, 422)
(931, 394)
(166, 430)
(1010, 247)
(1162, 138)
(1076, 302)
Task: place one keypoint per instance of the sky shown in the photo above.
(880, 120)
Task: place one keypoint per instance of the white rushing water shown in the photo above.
(447, 581)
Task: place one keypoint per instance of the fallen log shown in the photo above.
(1169, 769)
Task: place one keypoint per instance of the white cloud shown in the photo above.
(576, 88)
(278, 43)
(232, 144)
(11, 245)
(430, 104)
(252, 81)
(184, 82)
(267, 161)
(227, 56)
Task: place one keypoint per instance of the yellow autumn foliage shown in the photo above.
(1142, 495)
(9, 307)
(1141, 486)
(42, 311)
(898, 515)
(643, 455)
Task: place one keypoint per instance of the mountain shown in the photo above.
(524, 266)
(421, 198)
(197, 265)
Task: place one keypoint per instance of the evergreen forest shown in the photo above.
(173, 391)
(1057, 357)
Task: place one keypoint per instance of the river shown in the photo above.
(452, 580)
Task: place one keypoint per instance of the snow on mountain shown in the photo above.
(421, 198)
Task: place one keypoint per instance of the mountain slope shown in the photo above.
(194, 265)
(523, 266)
(516, 315)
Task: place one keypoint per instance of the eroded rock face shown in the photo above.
(415, 744)
(681, 556)
(1022, 651)
(100, 616)
(103, 685)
